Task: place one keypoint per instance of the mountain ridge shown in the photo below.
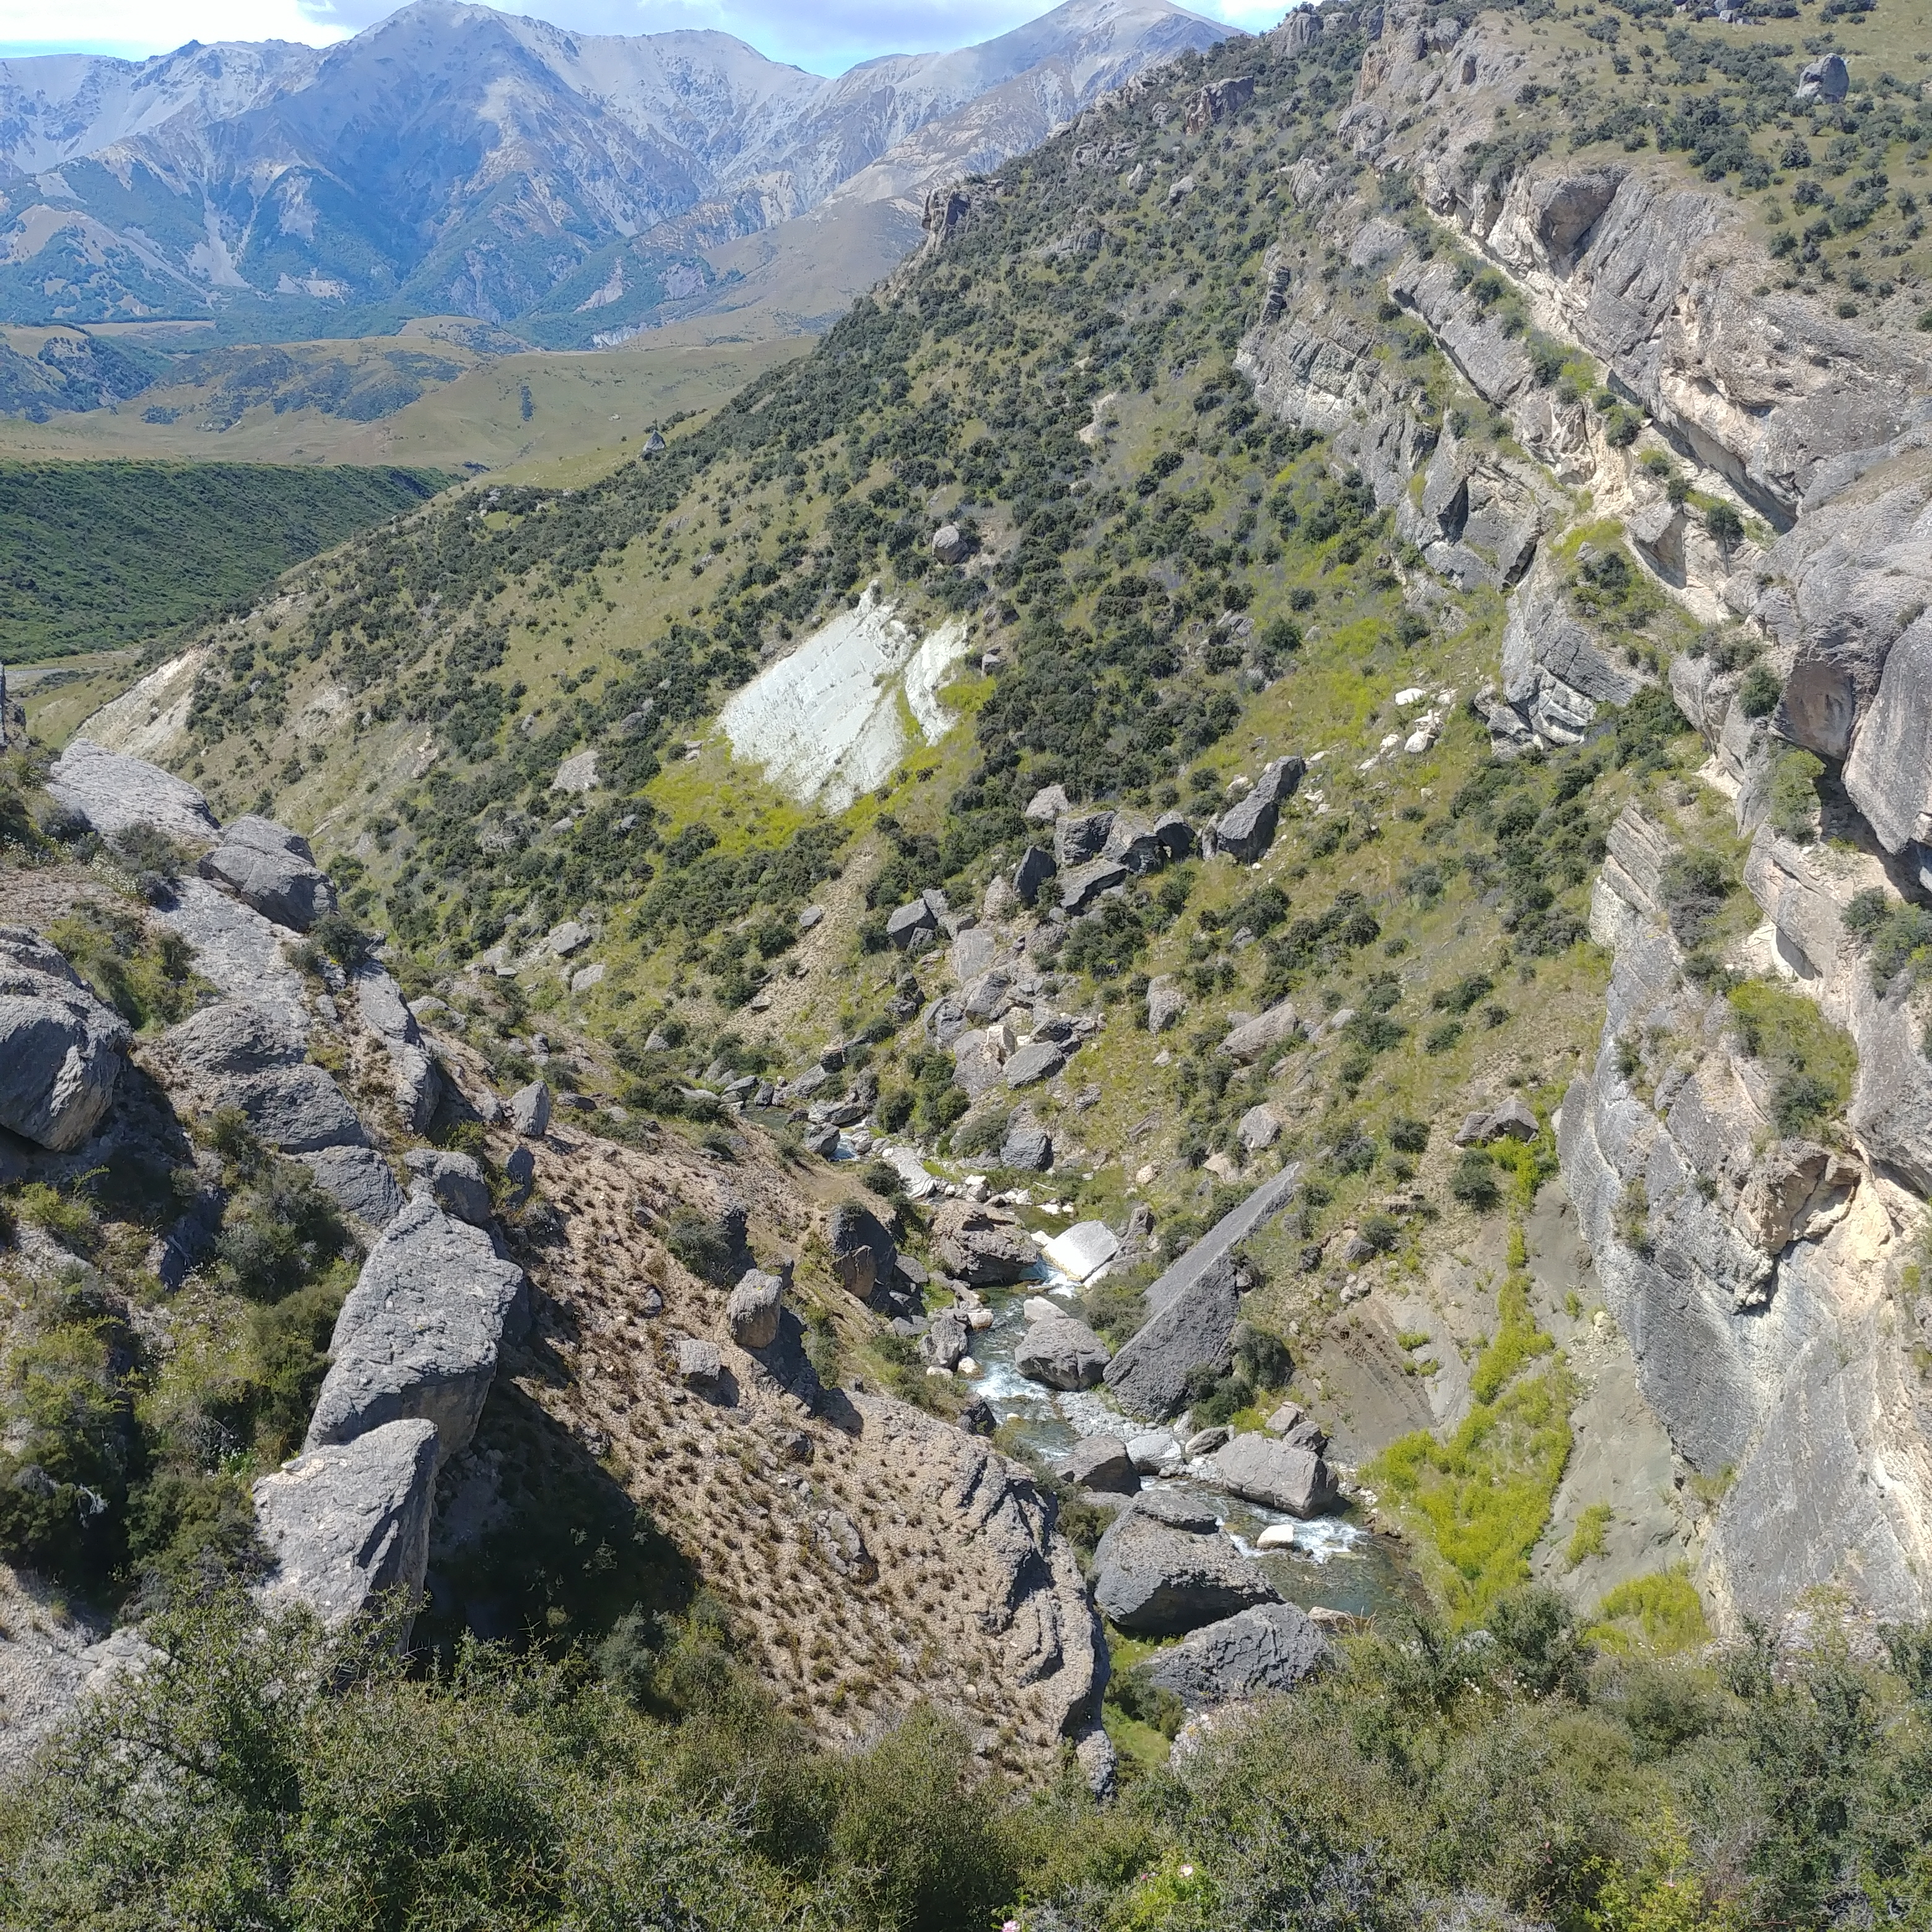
(454, 159)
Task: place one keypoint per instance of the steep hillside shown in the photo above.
(1299, 758)
(571, 184)
(1253, 450)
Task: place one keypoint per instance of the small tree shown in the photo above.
(1726, 527)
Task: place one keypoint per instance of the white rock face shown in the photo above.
(1084, 1250)
(826, 722)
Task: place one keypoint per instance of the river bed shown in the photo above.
(1335, 1563)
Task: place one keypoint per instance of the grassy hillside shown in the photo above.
(1166, 588)
(96, 554)
(445, 394)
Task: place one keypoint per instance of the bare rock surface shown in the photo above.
(1062, 1353)
(982, 1246)
(863, 1251)
(62, 1051)
(420, 1333)
(1100, 1462)
(417, 1086)
(453, 1181)
(1157, 1577)
(348, 1523)
(1271, 1648)
(1279, 1474)
(237, 1054)
(237, 950)
(752, 1312)
(114, 794)
(1263, 1034)
(271, 868)
(358, 1181)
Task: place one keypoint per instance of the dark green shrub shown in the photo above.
(1695, 886)
(1758, 690)
(1407, 1135)
(702, 1246)
(1135, 1694)
(1473, 1182)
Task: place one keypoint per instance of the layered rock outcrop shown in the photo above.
(1757, 1276)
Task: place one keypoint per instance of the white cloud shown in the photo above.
(827, 37)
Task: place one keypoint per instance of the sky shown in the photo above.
(827, 36)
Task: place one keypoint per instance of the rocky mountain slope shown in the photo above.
(1386, 761)
(572, 184)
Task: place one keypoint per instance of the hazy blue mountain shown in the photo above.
(455, 160)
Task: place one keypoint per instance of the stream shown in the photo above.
(1334, 1563)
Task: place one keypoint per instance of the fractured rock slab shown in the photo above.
(60, 1050)
(421, 1332)
(348, 1523)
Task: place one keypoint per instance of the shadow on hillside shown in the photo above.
(536, 1545)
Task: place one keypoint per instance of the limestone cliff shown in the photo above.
(1766, 1282)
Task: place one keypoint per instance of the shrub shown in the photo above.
(1473, 1182)
(278, 1234)
(1812, 1062)
(1382, 1232)
(1536, 1645)
(882, 1177)
(1695, 886)
(1135, 1694)
(1897, 936)
(336, 936)
(1407, 1135)
(1586, 1539)
(1727, 528)
(1758, 690)
(702, 1246)
(982, 1132)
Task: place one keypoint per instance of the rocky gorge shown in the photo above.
(1395, 1019)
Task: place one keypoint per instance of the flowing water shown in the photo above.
(1334, 1562)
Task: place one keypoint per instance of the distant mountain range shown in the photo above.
(453, 159)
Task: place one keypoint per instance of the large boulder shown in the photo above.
(982, 1246)
(948, 1341)
(1163, 1567)
(237, 1054)
(1252, 1038)
(421, 1331)
(1246, 830)
(348, 1523)
(271, 868)
(752, 1312)
(1080, 885)
(1194, 1329)
(418, 1081)
(1062, 1352)
(1077, 840)
(116, 794)
(1272, 1647)
(1035, 867)
(1027, 1146)
(453, 1181)
(358, 1179)
(60, 1048)
(862, 1252)
(1039, 1060)
(1277, 1474)
(1100, 1462)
